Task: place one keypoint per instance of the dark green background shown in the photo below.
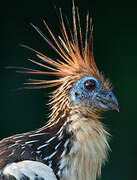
(115, 48)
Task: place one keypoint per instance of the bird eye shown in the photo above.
(90, 84)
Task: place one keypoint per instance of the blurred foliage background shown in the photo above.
(115, 49)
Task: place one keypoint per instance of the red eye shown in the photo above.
(90, 84)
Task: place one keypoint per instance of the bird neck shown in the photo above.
(89, 150)
(87, 140)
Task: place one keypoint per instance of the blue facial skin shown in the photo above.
(97, 97)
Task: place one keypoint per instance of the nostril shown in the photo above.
(76, 94)
(110, 95)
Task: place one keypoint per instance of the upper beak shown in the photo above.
(108, 100)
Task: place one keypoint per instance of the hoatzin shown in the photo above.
(73, 145)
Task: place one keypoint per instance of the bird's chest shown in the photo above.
(86, 155)
(78, 165)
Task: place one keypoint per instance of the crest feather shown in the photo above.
(76, 57)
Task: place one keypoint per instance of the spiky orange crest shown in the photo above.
(76, 57)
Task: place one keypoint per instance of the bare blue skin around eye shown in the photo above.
(98, 97)
(79, 92)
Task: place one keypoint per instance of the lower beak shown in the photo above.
(108, 100)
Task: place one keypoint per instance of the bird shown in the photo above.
(74, 143)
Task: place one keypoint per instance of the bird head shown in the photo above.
(92, 93)
(78, 78)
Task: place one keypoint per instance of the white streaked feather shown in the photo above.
(38, 134)
(66, 143)
(50, 164)
(29, 169)
(11, 154)
(56, 147)
(42, 146)
(16, 137)
(18, 140)
(50, 139)
(29, 142)
(12, 145)
(22, 153)
(60, 135)
(49, 157)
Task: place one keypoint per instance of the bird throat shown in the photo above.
(89, 142)
(89, 150)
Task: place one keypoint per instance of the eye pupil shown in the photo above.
(90, 84)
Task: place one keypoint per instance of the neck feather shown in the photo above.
(90, 145)
(90, 139)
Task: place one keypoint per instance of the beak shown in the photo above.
(107, 100)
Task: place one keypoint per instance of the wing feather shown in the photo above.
(27, 170)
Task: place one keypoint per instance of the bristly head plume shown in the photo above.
(76, 56)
